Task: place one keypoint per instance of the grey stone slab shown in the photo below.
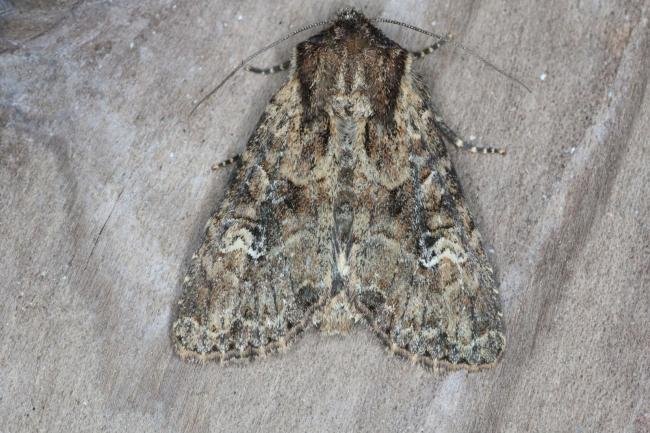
(105, 188)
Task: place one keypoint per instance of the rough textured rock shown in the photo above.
(106, 187)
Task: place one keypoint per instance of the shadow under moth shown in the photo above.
(345, 208)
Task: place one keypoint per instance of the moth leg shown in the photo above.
(272, 70)
(431, 48)
(452, 137)
(221, 164)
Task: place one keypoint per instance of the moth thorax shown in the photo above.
(355, 105)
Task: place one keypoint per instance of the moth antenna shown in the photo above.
(457, 45)
(252, 56)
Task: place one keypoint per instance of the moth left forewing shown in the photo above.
(441, 306)
(259, 274)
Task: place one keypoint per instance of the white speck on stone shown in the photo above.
(433, 23)
(171, 155)
(542, 76)
(472, 137)
(491, 250)
(572, 150)
(131, 45)
(173, 6)
(240, 17)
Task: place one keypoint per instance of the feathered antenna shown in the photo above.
(455, 44)
(252, 56)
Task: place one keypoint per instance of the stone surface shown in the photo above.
(106, 187)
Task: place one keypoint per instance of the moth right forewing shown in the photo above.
(440, 306)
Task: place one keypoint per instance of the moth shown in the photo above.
(345, 208)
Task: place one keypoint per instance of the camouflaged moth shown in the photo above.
(345, 208)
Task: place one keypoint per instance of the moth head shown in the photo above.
(350, 15)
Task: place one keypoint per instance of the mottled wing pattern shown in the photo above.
(263, 266)
(420, 274)
(345, 208)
